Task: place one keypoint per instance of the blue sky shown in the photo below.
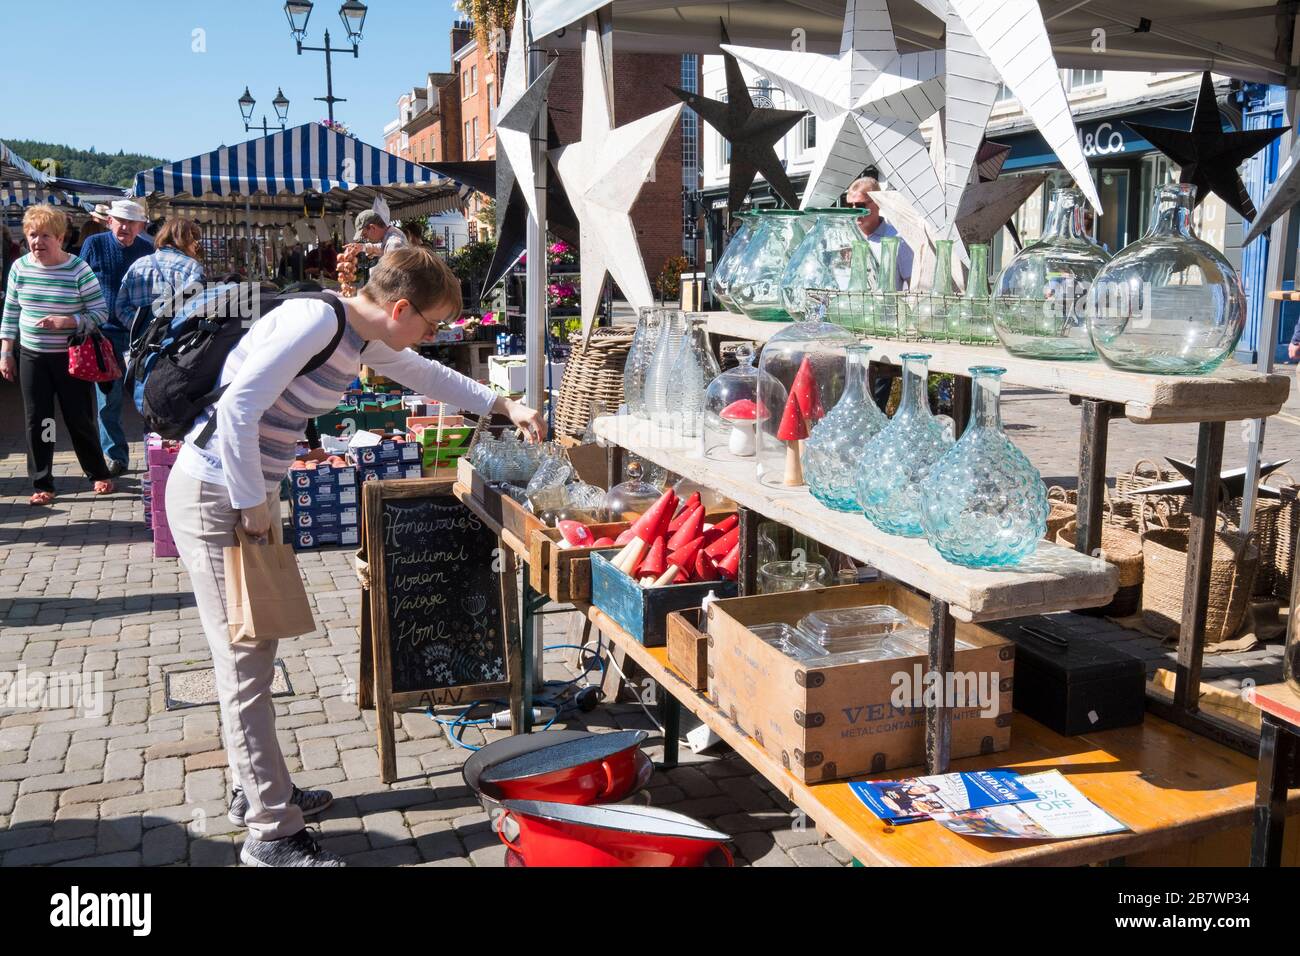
(123, 74)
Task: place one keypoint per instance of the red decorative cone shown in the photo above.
(691, 528)
(793, 430)
(809, 395)
(646, 529)
(685, 511)
(720, 529)
(704, 568)
(576, 533)
(606, 542)
(655, 562)
(719, 548)
(625, 536)
(681, 561)
(729, 565)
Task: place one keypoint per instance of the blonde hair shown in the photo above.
(416, 274)
(46, 218)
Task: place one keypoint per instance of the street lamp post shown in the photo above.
(353, 15)
(281, 104)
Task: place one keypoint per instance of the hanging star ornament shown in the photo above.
(603, 174)
(869, 102)
(516, 119)
(753, 133)
(1209, 158)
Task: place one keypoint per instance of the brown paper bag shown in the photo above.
(265, 597)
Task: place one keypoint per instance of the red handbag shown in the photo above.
(91, 358)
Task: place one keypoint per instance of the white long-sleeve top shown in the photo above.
(264, 410)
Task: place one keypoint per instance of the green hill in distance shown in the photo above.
(111, 169)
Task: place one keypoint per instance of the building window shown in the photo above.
(1076, 80)
(690, 155)
(808, 134)
(467, 147)
(1004, 94)
(474, 138)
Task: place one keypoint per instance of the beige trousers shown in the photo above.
(203, 524)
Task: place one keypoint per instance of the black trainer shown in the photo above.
(301, 849)
(310, 802)
(117, 469)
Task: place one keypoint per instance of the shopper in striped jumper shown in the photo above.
(51, 295)
(232, 480)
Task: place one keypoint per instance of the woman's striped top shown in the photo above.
(35, 291)
(264, 411)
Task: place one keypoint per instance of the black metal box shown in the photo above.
(1075, 685)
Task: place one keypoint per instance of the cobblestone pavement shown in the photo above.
(135, 784)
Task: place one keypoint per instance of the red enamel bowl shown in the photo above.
(593, 768)
(557, 834)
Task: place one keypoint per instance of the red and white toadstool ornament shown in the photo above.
(742, 416)
(793, 431)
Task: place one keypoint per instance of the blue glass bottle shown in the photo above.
(892, 475)
(985, 505)
(832, 455)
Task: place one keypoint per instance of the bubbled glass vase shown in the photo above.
(1169, 303)
(985, 505)
(832, 455)
(895, 463)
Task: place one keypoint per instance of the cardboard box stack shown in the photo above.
(325, 507)
(392, 458)
(160, 456)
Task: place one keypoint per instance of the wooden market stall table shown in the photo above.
(1279, 761)
(1170, 786)
(1230, 393)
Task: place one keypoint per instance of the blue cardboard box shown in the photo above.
(643, 612)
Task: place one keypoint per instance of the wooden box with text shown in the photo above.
(824, 723)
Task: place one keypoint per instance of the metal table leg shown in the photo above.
(938, 719)
(614, 466)
(1093, 433)
(670, 710)
(1277, 751)
(747, 577)
(532, 603)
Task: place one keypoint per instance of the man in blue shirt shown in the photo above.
(109, 255)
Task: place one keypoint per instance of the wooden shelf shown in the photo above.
(1055, 578)
(1169, 785)
(1230, 393)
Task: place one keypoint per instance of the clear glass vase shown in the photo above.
(638, 360)
(885, 300)
(928, 318)
(970, 317)
(732, 257)
(756, 286)
(691, 373)
(892, 477)
(801, 377)
(1169, 303)
(833, 254)
(985, 505)
(660, 400)
(1040, 300)
(832, 456)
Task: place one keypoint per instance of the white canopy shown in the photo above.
(1239, 38)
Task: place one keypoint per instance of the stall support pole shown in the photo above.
(938, 719)
(670, 710)
(747, 576)
(961, 399)
(1200, 547)
(1093, 433)
(614, 466)
(531, 628)
(1277, 754)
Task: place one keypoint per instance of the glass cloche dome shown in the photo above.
(731, 409)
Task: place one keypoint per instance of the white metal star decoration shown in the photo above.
(516, 122)
(603, 174)
(871, 100)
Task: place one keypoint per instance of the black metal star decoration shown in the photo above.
(752, 131)
(1209, 157)
(1232, 481)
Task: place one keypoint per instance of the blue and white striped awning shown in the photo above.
(25, 194)
(307, 158)
(15, 169)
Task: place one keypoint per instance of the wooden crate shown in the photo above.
(502, 509)
(643, 612)
(564, 574)
(825, 723)
(688, 647)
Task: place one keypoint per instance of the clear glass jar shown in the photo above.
(630, 499)
(638, 360)
(777, 576)
(731, 258)
(731, 409)
(693, 370)
(801, 376)
(1169, 303)
(545, 488)
(833, 254)
(985, 504)
(756, 285)
(659, 389)
(895, 463)
(1040, 300)
(884, 310)
(832, 455)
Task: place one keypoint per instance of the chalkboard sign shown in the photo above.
(437, 602)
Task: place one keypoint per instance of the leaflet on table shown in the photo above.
(916, 798)
(1059, 812)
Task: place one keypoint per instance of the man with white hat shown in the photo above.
(109, 255)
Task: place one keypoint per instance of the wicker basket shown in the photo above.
(594, 373)
(1065, 508)
(1264, 533)
(1233, 563)
(1284, 542)
(1129, 501)
(1122, 548)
